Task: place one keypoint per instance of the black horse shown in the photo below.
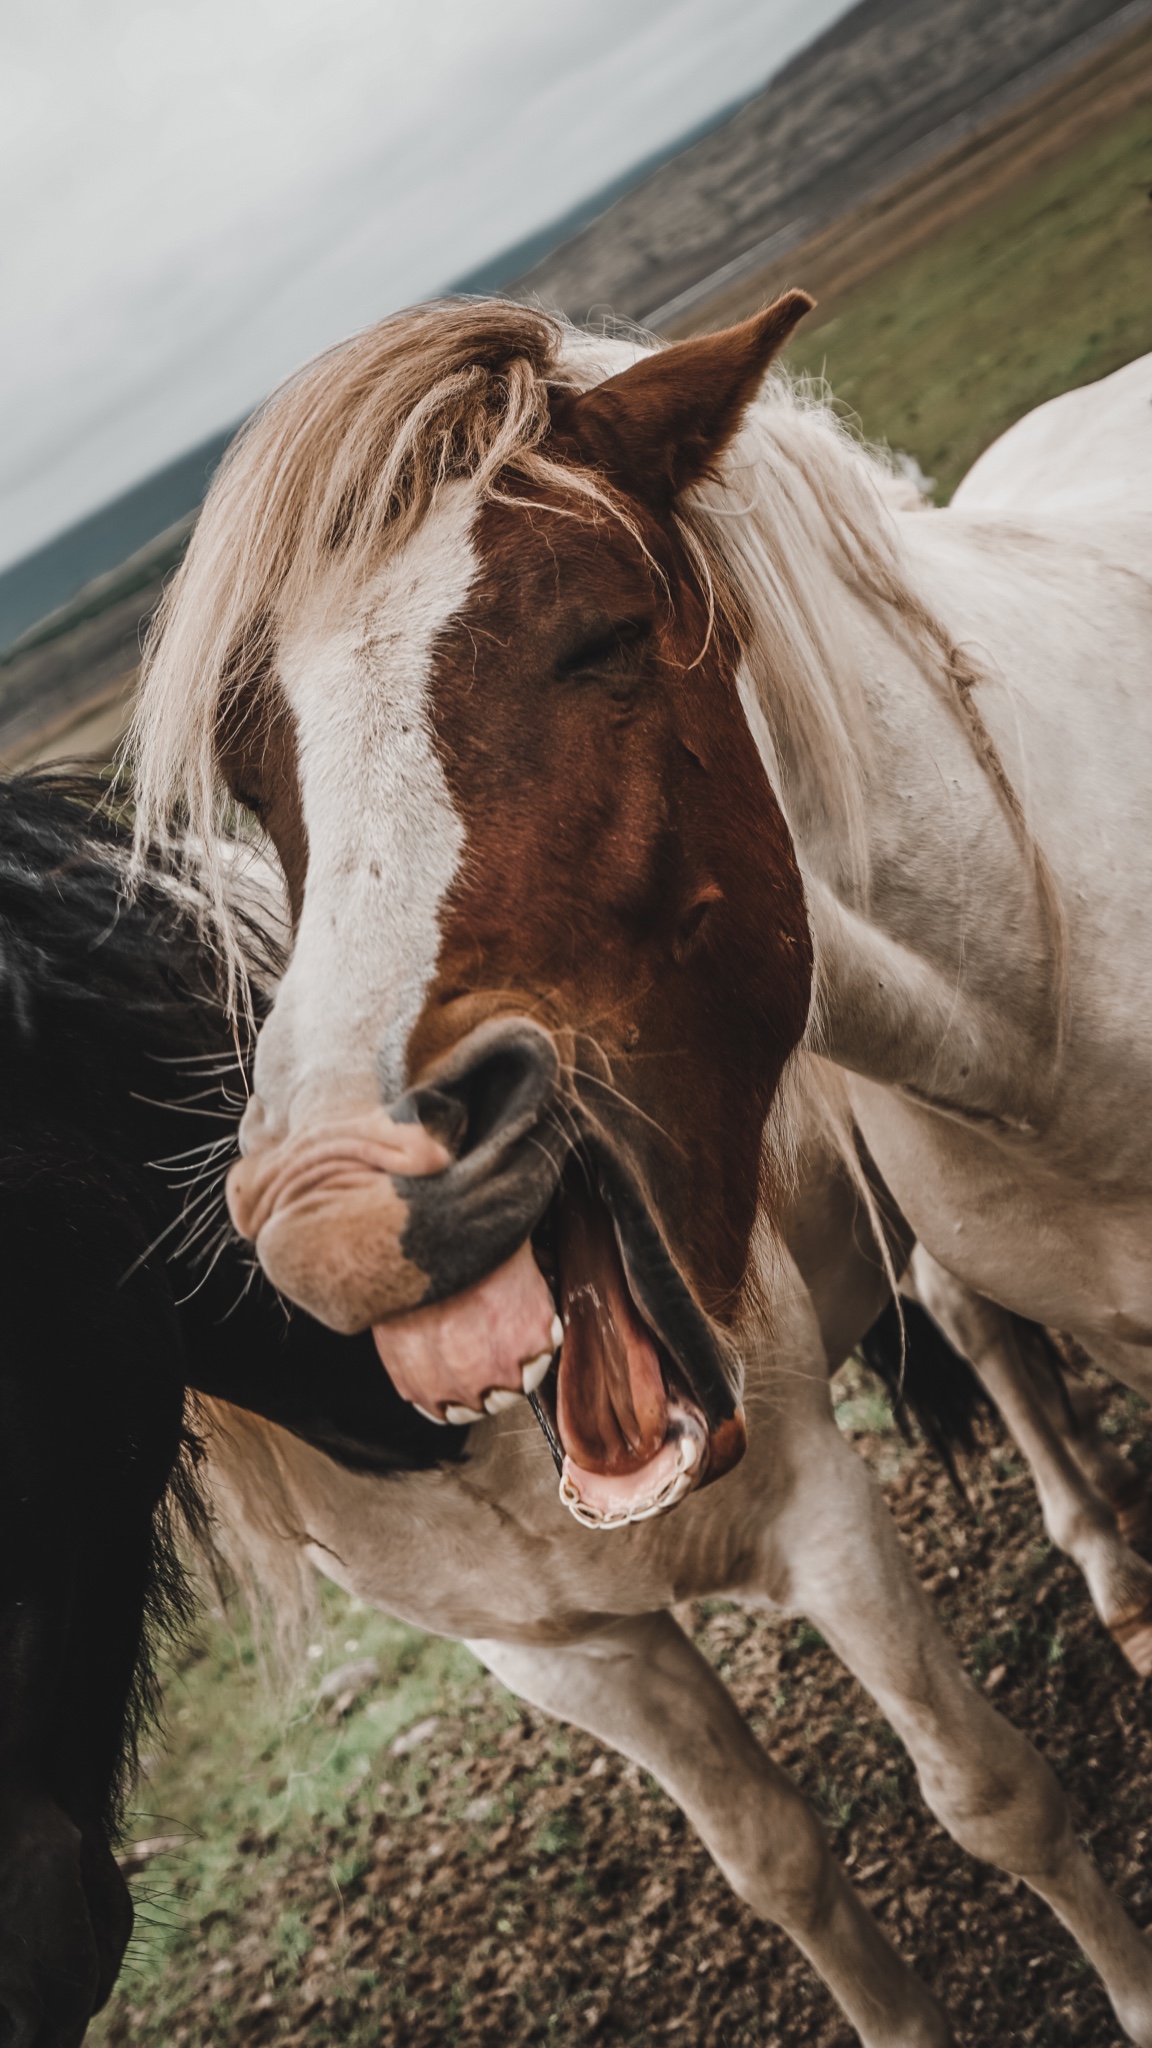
(115, 1055)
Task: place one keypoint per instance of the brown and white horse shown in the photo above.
(593, 702)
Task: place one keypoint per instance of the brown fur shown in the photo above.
(659, 427)
(629, 877)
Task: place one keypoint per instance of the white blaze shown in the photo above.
(384, 841)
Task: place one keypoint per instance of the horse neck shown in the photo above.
(916, 984)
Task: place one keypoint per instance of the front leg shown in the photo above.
(642, 1687)
(834, 1555)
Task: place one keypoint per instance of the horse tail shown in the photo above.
(927, 1381)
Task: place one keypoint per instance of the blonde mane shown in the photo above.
(338, 468)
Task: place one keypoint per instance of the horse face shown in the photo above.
(551, 956)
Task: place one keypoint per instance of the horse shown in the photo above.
(622, 747)
(117, 1297)
(105, 1003)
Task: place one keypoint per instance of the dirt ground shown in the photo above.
(495, 1879)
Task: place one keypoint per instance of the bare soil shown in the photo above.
(504, 1881)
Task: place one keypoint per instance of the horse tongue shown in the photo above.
(611, 1406)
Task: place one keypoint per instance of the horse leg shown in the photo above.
(1073, 1410)
(833, 1554)
(1078, 1521)
(91, 1403)
(643, 1688)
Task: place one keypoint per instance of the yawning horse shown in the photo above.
(614, 734)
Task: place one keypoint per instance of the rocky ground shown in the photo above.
(483, 1876)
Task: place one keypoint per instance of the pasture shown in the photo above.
(1049, 287)
(408, 1856)
(1017, 269)
(415, 1858)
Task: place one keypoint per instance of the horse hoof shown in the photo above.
(1134, 1636)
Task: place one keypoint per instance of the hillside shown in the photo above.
(842, 117)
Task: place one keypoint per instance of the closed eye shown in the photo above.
(608, 648)
(250, 801)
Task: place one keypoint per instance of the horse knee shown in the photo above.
(780, 1863)
(1003, 1805)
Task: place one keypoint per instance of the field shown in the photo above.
(409, 1857)
(1016, 271)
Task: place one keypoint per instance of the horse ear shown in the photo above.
(657, 427)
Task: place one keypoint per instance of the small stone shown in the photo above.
(411, 1738)
(349, 1678)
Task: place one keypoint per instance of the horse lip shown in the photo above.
(698, 1350)
(464, 1221)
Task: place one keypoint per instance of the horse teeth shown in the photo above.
(501, 1398)
(462, 1416)
(532, 1373)
(688, 1451)
(440, 1420)
(556, 1333)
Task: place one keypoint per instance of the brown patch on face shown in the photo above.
(259, 761)
(629, 878)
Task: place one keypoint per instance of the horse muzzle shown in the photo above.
(500, 1243)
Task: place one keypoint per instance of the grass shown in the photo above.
(1042, 290)
(254, 1779)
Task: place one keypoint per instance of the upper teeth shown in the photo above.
(532, 1373)
(501, 1398)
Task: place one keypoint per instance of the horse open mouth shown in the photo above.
(593, 1322)
(633, 1440)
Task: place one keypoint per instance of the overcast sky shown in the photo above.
(197, 196)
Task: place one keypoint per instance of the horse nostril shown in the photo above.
(494, 1086)
(443, 1115)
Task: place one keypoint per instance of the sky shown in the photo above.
(195, 197)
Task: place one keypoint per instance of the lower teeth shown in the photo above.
(673, 1490)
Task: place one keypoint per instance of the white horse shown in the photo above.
(578, 1622)
(613, 733)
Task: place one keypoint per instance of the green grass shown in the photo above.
(1046, 288)
(255, 1779)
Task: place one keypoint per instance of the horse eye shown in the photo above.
(605, 649)
(250, 801)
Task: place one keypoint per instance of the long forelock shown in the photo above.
(335, 473)
(326, 482)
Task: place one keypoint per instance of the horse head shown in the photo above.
(550, 950)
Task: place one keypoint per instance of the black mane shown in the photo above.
(122, 1290)
(110, 1012)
